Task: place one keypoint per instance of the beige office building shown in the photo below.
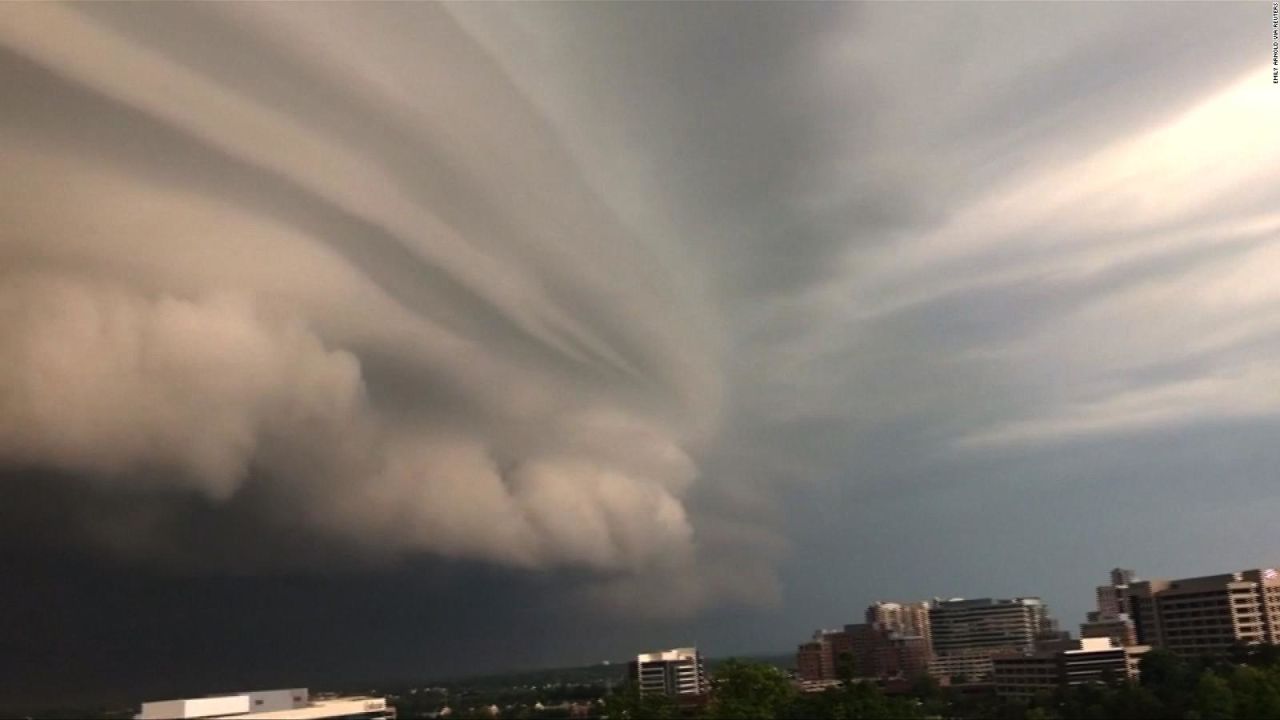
(1207, 615)
(1021, 676)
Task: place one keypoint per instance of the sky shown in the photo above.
(362, 341)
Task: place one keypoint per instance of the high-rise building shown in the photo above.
(1113, 599)
(968, 633)
(809, 661)
(878, 649)
(1121, 576)
(1111, 619)
(820, 658)
(838, 649)
(1117, 627)
(1207, 615)
(906, 619)
(889, 654)
(1020, 676)
(894, 642)
(269, 705)
(675, 673)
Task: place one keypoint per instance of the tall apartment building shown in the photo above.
(1062, 664)
(1207, 615)
(269, 705)
(895, 641)
(820, 658)
(676, 673)
(1113, 599)
(968, 633)
(873, 650)
(837, 648)
(906, 619)
(1112, 619)
(885, 653)
(809, 661)
(1118, 628)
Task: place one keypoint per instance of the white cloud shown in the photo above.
(1247, 392)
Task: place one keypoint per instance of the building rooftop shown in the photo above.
(668, 655)
(960, 603)
(1085, 645)
(338, 707)
(293, 703)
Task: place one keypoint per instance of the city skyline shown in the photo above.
(358, 340)
(1007, 648)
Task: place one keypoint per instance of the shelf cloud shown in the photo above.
(608, 292)
(366, 287)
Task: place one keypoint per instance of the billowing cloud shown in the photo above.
(368, 290)
(615, 291)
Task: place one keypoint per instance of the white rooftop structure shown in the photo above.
(687, 653)
(1100, 644)
(288, 704)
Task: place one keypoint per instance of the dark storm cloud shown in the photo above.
(191, 307)
(708, 297)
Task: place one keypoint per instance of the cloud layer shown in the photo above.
(602, 289)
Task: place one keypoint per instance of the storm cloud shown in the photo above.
(379, 290)
(714, 298)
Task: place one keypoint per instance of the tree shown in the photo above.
(1161, 668)
(861, 700)
(1256, 691)
(1214, 699)
(933, 701)
(630, 705)
(1087, 701)
(1171, 678)
(1135, 701)
(1257, 655)
(745, 690)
